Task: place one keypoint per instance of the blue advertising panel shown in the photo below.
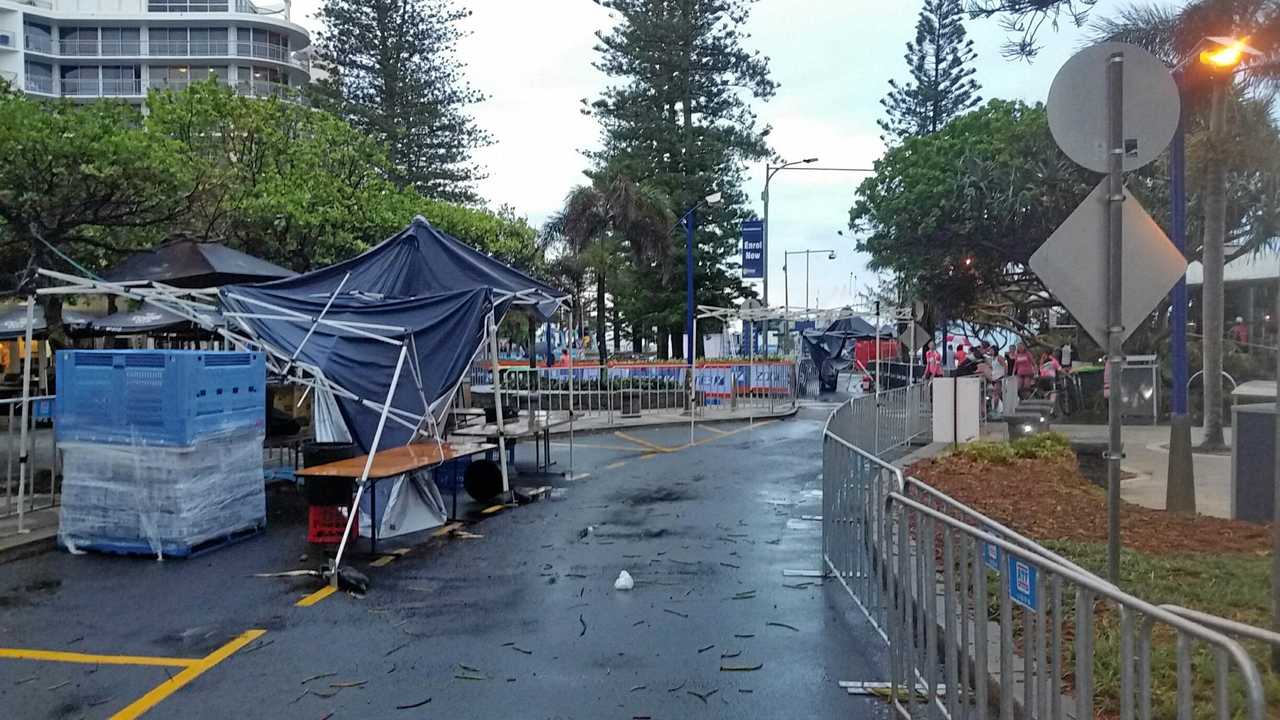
(990, 552)
(1022, 583)
(753, 249)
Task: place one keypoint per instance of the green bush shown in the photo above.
(1035, 447)
(1041, 446)
(985, 451)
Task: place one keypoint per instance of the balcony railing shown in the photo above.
(39, 85)
(255, 88)
(39, 44)
(92, 48)
(101, 88)
(189, 49)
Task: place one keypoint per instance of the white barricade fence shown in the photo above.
(43, 488)
(982, 622)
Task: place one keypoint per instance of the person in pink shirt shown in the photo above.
(1024, 369)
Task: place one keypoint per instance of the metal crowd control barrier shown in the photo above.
(44, 479)
(982, 622)
(618, 392)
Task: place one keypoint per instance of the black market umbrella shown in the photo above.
(189, 263)
(147, 318)
(13, 321)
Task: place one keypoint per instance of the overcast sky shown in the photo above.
(833, 59)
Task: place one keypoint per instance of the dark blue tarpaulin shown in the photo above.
(442, 333)
(421, 261)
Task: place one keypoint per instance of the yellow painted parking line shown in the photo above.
(717, 431)
(729, 433)
(650, 456)
(90, 659)
(616, 465)
(383, 561)
(139, 707)
(645, 443)
(316, 596)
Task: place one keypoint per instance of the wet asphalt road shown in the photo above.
(520, 623)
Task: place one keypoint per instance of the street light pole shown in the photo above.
(1180, 489)
(769, 172)
(690, 221)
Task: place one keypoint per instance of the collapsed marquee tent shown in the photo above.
(190, 263)
(831, 348)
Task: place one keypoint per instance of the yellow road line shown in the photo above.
(728, 433)
(139, 707)
(383, 561)
(717, 431)
(89, 659)
(650, 456)
(316, 596)
(644, 443)
(616, 465)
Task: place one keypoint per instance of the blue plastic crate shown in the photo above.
(157, 397)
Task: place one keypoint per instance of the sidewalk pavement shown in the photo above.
(603, 422)
(1147, 460)
(40, 534)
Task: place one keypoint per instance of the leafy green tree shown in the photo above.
(958, 213)
(86, 182)
(302, 187)
(942, 85)
(678, 119)
(605, 222)
(393, 72)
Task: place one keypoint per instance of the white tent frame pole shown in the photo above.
(368, 465)
(312, 330)
(497, 404)
(24, 460)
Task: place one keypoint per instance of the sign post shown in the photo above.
(1111, 286)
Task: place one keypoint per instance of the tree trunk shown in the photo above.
(601, 321)
(637, 340)
(677, 343)
(1215, 231)
(617, 333)
(660, 339)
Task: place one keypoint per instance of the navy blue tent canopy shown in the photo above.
(420, 261)
(442, 333)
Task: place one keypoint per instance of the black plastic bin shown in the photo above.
(327, 491)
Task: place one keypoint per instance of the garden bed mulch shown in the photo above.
(1049, 499)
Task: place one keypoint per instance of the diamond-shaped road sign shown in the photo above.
(1072, 264)
(914, 337)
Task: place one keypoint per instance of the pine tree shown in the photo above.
(677, 119)
(941, 85)
(392, 71)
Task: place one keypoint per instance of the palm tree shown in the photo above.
(1174, 35)
(609, 219)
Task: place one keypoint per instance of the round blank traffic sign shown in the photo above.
(1078, 111)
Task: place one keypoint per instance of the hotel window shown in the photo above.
(38, 37)
(78, 40)
(121, 41)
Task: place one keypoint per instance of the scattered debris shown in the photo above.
(745, 690)
(702, 650)
(798, 586)
(638, 687)
(468, 668)
(584, 625)
(304, 694)
(257, 646)
(353, 684)
(464, 535)
(784, 625)
(703, 696)
(395, 649)
(673, 612)
(731, 565)
(521, 650)
(777, 541)
(678, 687)
(745, 595)
(624, 581)
(638, 622)
(411, 706)
(62, 684)
(103, 701)
(23, 681)
(469, 676)
(734, 654)
(574, 575)
(744, 636)
(740, 668)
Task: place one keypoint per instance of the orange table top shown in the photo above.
(397, 461)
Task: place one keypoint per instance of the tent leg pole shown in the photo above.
(570, 414)
(497, 403)
(23, 450)
(693, 376)
(368, 465)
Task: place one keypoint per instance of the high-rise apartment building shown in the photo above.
(123, 48)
